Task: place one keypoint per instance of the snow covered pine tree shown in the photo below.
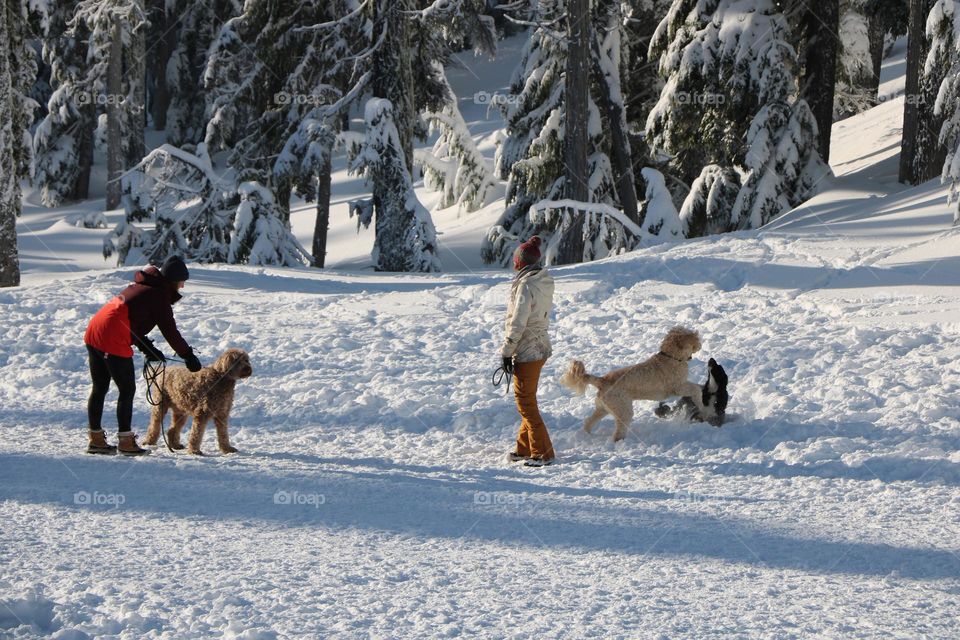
(530, 156)
(405, 236)
(63, 141)
(943, 31)
(730, 77)
(191, 206)
(114, 78)
(17, 73)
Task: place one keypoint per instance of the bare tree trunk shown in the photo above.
(115, 156)
(576, 138)
(822, 32)
(160, 52)
(916, 51)
(323, 215)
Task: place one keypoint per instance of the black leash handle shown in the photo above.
(498, 375)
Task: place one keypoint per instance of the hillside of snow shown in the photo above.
(371, 496)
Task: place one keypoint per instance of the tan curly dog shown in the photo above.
(204, 395)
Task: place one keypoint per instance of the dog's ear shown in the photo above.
(712, 362)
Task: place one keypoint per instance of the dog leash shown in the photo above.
(498, 375)
(152, 371)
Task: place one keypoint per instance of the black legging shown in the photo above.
(103, 367)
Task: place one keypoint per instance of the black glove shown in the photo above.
(192, 362)
(150, 351)
(508, 365)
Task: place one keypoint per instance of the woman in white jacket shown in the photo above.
(526, 348)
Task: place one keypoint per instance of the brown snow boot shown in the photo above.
(98, 444)
(128, 445)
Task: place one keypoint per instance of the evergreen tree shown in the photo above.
(191, 207)
(261, 234)
(531, 154)
(63, 139)
(282, 76)
(819, 59)
(921, 155)
(661, 221)
(405, 236)
(729, 100)
(856, 89)
(17, 73)
(707, 209)
(114, 76)
(199, 24)
(455, 166)
(943, 30)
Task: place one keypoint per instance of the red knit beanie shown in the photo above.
(527, 253)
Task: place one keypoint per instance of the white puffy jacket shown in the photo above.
(528, 317)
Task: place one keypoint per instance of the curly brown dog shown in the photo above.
(657, 378)
(205, 394)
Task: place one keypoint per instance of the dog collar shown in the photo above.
(667, 355)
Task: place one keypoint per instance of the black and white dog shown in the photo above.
(714, 396)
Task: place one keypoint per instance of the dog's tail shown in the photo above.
(576, 378)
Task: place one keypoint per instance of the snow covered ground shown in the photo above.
(371, 497)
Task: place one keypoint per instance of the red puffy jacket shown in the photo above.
(128, 318)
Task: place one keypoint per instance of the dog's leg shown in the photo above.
(599, 412)
(622, 410)
(196, 434)
(222, 438)
(173, 435)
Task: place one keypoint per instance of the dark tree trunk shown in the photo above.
(821, 24)
(323, 215)
(876, 34)
(165, 35)
(576, 139)
(621, 156)
(115, 157)
(86, 128)
(916, 50)
(9, 181)
(393, 70)
(921, 154)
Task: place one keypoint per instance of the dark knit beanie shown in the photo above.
(174, 270)
(527, 253)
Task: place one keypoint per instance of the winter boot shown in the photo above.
(98, 444)
(513, 456)
(538, 462)
(128, 445)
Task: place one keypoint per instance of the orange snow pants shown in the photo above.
(533, 440)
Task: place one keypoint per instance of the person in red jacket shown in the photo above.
(124, 321)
